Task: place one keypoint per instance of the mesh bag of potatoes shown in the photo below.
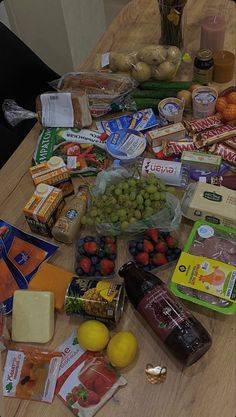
(149, 62)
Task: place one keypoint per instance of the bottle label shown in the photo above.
(162, 311)
(71, 214)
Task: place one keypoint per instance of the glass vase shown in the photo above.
(172, 19)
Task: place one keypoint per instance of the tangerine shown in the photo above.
(221, 104)
(229, 113)
(231, 97)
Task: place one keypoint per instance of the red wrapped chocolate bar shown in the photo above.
(227, 153)
(194, 126)
(218, 134)
(176, 148)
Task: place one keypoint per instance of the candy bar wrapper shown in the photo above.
(218, 134)
(227, 153)
(231, 142)
(170, 148)
(194, 126)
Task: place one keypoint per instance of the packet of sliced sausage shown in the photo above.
(86, 380)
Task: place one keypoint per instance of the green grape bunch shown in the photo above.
(127, 202)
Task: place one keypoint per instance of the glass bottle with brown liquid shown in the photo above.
(180, 331)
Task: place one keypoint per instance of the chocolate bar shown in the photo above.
(231, 142)
(178, 147)
(194, 126)
(219, 134)
(227, 153)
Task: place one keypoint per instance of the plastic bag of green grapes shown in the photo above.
(123, 203)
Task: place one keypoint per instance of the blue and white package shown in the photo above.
(21, 254)
(141, 120)
(126, 144)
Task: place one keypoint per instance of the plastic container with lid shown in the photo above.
(43, 208)
(53, 172)
(204, 101)
(170, 110)
(126, 144)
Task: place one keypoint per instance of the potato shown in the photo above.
(141, 72)
(121, 62)
(152, 54)
(174, 54)
(186, 97)
(165, 71)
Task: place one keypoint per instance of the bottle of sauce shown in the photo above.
(180, 331)
(67, 225)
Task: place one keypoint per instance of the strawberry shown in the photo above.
(159, 259)
(85, 264)
(142, 258)
(172, 242)
(110, 248)
(147, 246)
(161, 246)
(107, 266)
(90, 248)
(153, 234)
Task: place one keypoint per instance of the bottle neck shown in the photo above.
(137, 282)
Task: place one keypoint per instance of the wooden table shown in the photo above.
(205, 389)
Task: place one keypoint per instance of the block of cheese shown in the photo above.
(54, 279)
(32, 316)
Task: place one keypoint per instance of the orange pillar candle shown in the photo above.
(223, 66)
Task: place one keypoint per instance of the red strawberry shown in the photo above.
(147, 246)
(153, 234)
(110, 248)
(90, 248)
(85, 264)
(161, 246)
(142, 258)
(107, 266)
(159, 259)
(172, 242)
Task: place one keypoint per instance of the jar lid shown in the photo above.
(41, 189)
(55, 161)
(204, 54)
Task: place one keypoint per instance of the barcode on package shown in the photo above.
(231, 290)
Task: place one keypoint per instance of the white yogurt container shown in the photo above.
(204, 101)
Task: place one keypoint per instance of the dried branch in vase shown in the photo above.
(171, 13)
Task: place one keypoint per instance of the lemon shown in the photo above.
(122, 349)
(93, 335)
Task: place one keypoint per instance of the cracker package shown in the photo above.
(20, 257)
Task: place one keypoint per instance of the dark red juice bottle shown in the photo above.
(180, 331)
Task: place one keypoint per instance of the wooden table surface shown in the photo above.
(205, 389)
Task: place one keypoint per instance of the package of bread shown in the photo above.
(63, 109)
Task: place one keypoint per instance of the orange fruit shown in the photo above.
(229, 112)
(231, 97)
(221, 104)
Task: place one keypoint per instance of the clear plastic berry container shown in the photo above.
(95, 255)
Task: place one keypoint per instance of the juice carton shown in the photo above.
(43, 209)
(53, 172)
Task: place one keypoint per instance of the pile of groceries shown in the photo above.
(159, 150)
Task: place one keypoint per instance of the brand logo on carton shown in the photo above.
(155, 167)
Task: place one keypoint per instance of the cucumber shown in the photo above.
(170, 85)
(145, 103)
(159, 93)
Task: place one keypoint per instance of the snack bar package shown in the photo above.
(86, 380)
(31, 374)
(20, 257)
(82, 150)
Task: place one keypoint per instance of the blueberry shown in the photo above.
(78, 257)
(169, 258)
(93, 270)
(133, 251)
(111, 256)
(169, 252)
(177, 251)
(80, 243)
(146, 268)
(139, 246)
(101, 254)
(97, 273)
(165, 234)
(89, 239)
(132, 244)
(82, 251)
(94, 260)
(79, 271)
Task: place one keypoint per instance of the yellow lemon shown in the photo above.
(93, 335)
(122, 349)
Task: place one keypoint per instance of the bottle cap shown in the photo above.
(41, 189)
(55, 161)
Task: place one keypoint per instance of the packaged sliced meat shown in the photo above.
(213, 247)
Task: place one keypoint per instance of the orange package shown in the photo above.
(25, 256)
(29, 371)
(52, 278)
(7, 282)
